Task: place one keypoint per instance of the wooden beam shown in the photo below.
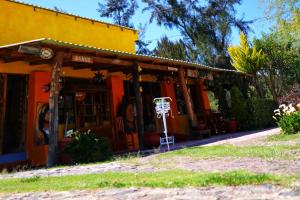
(14, 59)
(53, 109)
(101, 60)
(39, 62)
(187, 97)
(139, 104)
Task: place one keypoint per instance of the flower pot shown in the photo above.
(231, 126)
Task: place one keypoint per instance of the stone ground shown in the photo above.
(152, 163)
(209, 193)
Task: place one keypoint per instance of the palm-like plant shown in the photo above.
(246, 59)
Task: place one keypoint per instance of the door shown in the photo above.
(3, 83)
(14, 119)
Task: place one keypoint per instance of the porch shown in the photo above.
(108, 92)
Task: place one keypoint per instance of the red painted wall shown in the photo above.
(116, 90)
(37, 154)
(167, 90)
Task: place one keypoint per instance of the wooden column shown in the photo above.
(139, 104)
(187, 98)
(3, 92)
(53, 109)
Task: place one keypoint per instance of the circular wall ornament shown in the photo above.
(46, 53)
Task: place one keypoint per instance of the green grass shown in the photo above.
(166, 179)
(265, 152)
(284, 137)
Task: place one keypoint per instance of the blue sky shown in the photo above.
(250, 9)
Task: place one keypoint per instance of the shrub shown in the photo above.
(86, 147)
(288, 118)
(251, 113)
(262, 112)
(239, 108)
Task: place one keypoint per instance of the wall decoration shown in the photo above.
(41, 135)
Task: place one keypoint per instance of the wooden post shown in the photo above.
(187, 98)
(53, 109)
(139, 104)
(3, 90)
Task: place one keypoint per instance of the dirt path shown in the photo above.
(153, 163)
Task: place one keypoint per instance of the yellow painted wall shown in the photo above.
(19, 23)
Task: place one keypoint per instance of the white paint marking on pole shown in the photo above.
(163, 110)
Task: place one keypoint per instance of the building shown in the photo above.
(60, 72)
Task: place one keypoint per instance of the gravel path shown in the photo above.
(209, 193)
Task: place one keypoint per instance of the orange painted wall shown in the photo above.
(116, 91)
(167, 90)
(37, 154)
(203, 96)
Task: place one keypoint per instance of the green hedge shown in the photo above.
(251, 113)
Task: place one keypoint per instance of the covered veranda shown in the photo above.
(60, 58)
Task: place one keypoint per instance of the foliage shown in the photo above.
(120, 10)
(205, 27)
(141, 43)
(282, 68)
(165, 179)
(86, 147)
(251, 113)
(213, 101)
(288, 118)
(286, 13)
(262, 112)
(239, 108)
(246, 59)
(168, 49)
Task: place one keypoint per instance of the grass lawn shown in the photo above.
(166, 179)
(284, 137)
(265, 152)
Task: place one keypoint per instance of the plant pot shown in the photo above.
(231, 126)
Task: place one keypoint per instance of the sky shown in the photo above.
(249, 9)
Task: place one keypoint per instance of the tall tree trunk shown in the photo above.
(53, 109)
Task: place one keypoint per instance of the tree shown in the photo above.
(286, 14)
(282, 68)
(205, 27)
(141, 43)
(247, 59)
(169, 49)
(120, 11)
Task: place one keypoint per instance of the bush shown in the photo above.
(288, 118)
(86, 147)
(290, 124)
(262, 112)
(251, 113)
(239, 109)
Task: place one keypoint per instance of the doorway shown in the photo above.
(13, 106)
